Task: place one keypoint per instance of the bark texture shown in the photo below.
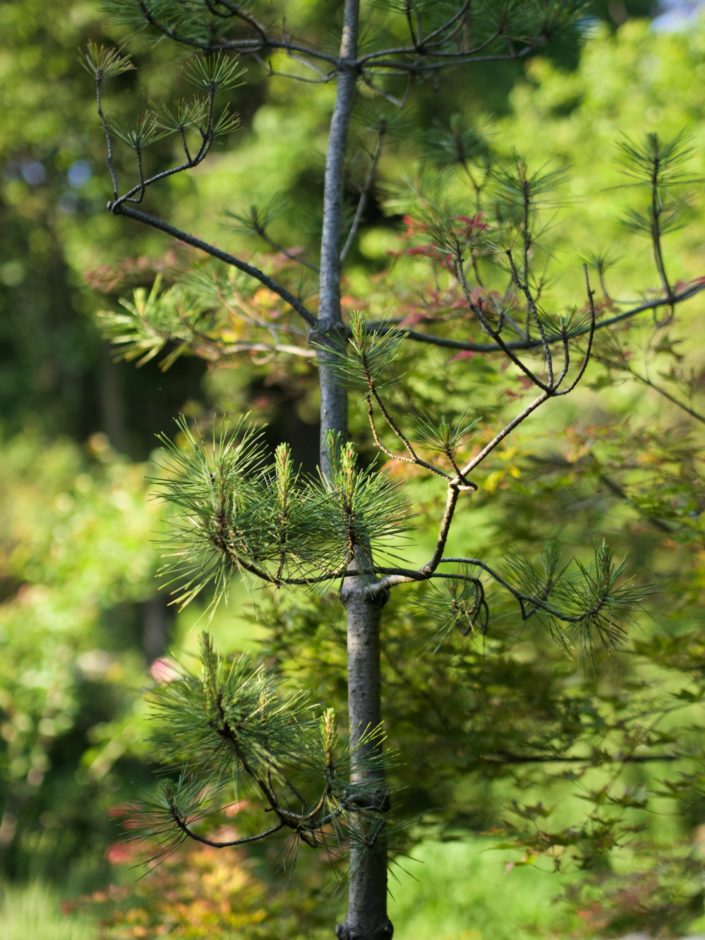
(367, 887)
(367, 892)
(334, 400)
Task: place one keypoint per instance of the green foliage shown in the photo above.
(531, 696)
(151, 321)
(75, 560)
(594, 603)
(146, 131)
(454, 606)
(658, 166)
(194, 20)
(232, 734)
(237, 511)
(445, 435)
(195, 713)
(368, 508)
(218, 72)
(103, 62)
(367, 358)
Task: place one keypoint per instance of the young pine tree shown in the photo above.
(474, 254)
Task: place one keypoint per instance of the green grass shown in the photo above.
(33, 912)
(466, 891)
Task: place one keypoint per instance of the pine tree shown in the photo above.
(481, 233)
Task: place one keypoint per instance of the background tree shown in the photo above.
(239, 513)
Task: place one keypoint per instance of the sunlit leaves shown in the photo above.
(366, 357)
(445, 435)
(145, 131)
(657, 165)
(655, 160)
(591, 605)
(238, 511)
(225, 123)
(520, 191)
(217, 72)
(104, 62)
(368, 508)
(151, 322)
(184, 114)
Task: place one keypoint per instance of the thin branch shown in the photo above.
(384, 326)
(322, 78)
(184, 827)
(108, 136)
(364, 192)
(373, 395)
(656, 210)
(487, 326)
(224, 256)
(449, 60)
(236, 10)
(591, 336)
(287, 252)
(505, 432)
(448, 513)
(659, 389)
(523, 286)
(371, 59)
(621, 493)
(245, 46)
(506, 757)
(435, 34)
(139, 188)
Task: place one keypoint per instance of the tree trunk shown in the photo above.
(367, 892)
(367, 886)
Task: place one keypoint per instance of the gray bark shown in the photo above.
(334, 403)
(367, 892)
(367, 885)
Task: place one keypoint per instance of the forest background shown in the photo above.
(83, 629)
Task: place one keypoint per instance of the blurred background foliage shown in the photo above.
(83, 630)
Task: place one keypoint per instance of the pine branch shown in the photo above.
(384, 326)
(232, 260)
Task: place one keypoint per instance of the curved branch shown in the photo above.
(184, 827)
(449, 60)
(246, 46)
(232, 260)
(385, 326)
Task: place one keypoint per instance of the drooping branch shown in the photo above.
(263, 43)
(294, 302)
(182, 824)
(443, 342)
